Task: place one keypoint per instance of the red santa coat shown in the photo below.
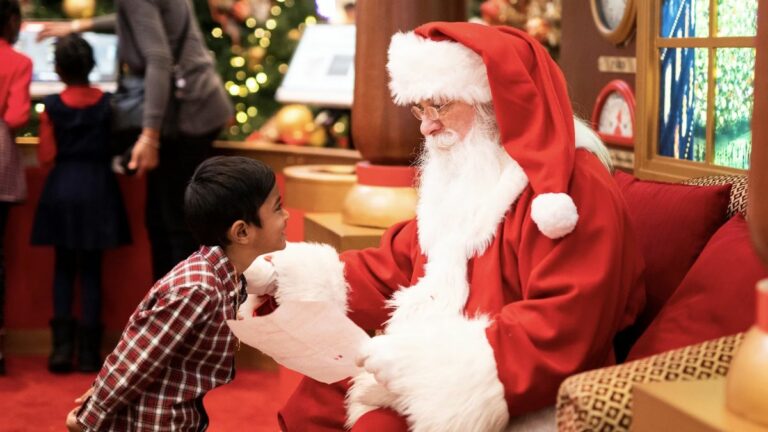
(553, 306)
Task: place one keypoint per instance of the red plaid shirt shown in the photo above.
(175, 348)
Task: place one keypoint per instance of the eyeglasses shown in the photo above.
(431, 112)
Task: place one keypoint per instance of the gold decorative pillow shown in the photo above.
(600, 400)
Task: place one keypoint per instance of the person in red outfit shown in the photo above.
(518, 270)
(80, 212)
(15, 76)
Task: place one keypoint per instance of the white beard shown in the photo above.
(466, 187)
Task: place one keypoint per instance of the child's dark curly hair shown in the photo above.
(74, 59)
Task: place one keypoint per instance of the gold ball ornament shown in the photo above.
(79, 8)
(292, 122)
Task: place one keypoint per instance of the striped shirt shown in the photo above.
(175, 348)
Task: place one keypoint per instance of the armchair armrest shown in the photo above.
(602, 399)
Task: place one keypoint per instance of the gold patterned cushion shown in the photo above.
(738, 183)
(600, 400)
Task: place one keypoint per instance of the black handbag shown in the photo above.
(128, 110)
(128, 104)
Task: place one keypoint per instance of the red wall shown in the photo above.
(126, 274)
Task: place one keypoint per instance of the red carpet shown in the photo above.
(34, 400)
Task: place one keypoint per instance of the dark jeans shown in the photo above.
(4, 210)
(70, 263)
(169, 236)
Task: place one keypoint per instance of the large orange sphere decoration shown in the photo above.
(292, 121)
(79, 8)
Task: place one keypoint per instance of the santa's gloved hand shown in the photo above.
(438, 361)
(382, 357)
(366, 395)
(261, 277)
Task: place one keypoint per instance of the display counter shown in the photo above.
(278, 156)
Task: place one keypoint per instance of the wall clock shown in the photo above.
(614, 114)
(614, 19)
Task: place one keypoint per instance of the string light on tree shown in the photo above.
(253, 69)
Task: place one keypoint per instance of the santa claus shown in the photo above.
(518, 270)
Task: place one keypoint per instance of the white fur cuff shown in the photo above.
(442, 375)
(555, 214)
(310, 271)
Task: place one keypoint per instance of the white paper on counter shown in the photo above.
(312, 338)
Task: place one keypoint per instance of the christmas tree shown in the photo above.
(253, 41)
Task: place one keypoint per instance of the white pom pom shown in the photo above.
(555, 214)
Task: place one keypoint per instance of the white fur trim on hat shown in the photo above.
(555, 214)
(423, 69)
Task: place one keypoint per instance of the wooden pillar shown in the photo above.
(758, 172)
(384, 133)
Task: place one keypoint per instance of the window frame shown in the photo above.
(648, 163)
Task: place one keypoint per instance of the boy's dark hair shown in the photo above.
(74, 59)
(8, 9)
(222, 190)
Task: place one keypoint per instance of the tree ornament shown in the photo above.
(318, 137)
(293, 123)
(254, 56)
(79, 8)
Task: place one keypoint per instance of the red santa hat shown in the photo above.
(478, 64)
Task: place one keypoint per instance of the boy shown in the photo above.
(176, 346)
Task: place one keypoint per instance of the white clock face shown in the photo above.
(615, 117)
(612, 12)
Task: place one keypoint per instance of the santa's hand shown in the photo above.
(249, 306)
(439, 361)
(261, 277)
(366, 395)
(379, 357)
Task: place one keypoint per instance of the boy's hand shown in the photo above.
(72, 423)
(80, 400)
(260, 277)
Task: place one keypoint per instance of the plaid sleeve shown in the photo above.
(148, 342)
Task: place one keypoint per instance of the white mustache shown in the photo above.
(442, 141)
